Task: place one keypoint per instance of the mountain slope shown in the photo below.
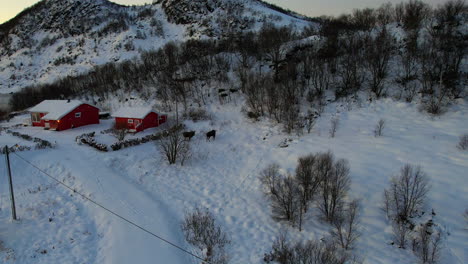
(56, 38)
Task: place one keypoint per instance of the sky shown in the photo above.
(313, 8)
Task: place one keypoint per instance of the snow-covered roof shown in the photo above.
(55, 109)
(133, 112)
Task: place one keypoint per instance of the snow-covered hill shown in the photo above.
(58, 38)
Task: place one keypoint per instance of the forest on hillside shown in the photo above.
(411, 52)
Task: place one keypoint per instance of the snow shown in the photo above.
(133, 112)
(223, 176)
(55, 109)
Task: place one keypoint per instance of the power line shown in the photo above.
(112, 212)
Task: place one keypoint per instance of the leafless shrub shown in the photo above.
(283, 192)
(174, 148)
(310, 252)
(428, 243)
(201, 231)
(434, 105)
(463, 143)
(401, 232)
(345, 229)
(334, 122)
(407, 193)
(378, 131)
(119, 131)
(335, 182)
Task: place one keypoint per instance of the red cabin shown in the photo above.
(137, 119)
(63, 114)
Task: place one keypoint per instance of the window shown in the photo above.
(77, 115)
(36, 117)
(130, 121)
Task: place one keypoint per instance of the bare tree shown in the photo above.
(384, 14)
(308, 178)
(309, 122)
(408, 61)
(364, 18)
(334, 189)
(271, 41)
(320, 76)
(308, 182)
(378, 131)
(378, 53)
(334, 122)
(119, 131)
(201, 231)
(350, 70)
(415, 11)
(174, 148)
(283, 192)
(345, 229)
(407, 193)
(428, 243)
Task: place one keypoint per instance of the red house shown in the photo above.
(137, 119)
(63, 114)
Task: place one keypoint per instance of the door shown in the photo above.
(46, 125)
(137, 124)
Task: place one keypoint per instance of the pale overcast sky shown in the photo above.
(9, 8)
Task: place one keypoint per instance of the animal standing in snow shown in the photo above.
(210, 134)
(188, 134)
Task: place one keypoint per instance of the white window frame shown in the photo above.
(130, 121)
(77, 114)
(36, 117)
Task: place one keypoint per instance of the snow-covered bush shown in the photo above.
(201, 230)
(40, 143)
(15, 148)
(89, 140)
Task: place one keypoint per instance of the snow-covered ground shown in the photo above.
(223, 176)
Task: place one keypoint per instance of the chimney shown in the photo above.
(68, 101)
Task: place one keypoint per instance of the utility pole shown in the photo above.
(12, 194)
